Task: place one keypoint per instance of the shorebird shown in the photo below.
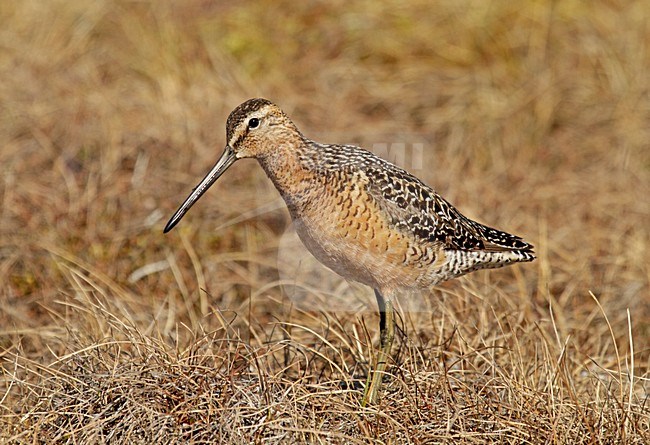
(366, 219)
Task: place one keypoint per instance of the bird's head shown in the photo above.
(257, 127)
(254, 129)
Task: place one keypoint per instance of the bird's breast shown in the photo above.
(344, 228)
(347, 230)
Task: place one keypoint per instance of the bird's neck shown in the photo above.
(291, 175)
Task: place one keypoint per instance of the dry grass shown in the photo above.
(535, 117)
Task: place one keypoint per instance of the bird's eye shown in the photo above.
(253, 123)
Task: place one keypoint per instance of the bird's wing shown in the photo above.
(415, 208)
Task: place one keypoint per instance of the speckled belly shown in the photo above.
(359, 245)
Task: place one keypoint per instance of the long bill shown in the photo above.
(226, 160)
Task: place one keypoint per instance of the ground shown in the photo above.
(532, 117)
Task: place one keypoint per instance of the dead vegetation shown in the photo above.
(533, 117)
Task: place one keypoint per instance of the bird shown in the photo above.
(365, 218)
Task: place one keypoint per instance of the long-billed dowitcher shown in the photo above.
(363, 217)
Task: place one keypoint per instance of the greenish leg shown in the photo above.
(387, 333)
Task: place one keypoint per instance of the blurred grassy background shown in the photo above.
(536, 120)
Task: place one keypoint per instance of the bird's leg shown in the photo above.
(387, 333)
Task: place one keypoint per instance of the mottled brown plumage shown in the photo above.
(365, 218)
